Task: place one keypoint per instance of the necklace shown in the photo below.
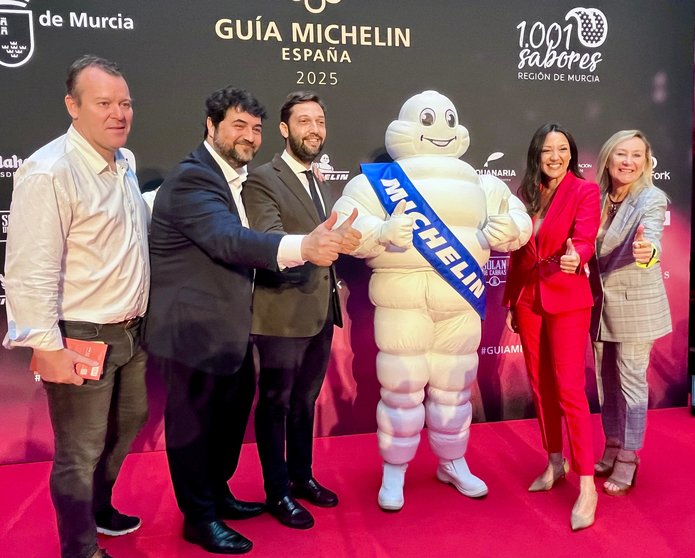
(613, 206)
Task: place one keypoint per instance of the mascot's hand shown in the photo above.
(398, 229)
(500, 228)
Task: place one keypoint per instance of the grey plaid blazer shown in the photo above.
(630, 303)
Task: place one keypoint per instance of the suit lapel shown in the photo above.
(561, 198)
(291, 181)
(616, 231)
(203, 155)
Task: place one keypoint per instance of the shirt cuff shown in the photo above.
(290, 251)
(41, 339)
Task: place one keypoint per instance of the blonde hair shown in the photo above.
(603, 177)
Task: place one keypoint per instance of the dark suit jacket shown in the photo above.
(294, 302)
(202, 269)
(573, 213)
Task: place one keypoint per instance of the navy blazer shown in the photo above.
(203, 262)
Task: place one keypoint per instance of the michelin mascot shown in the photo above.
(428, 223)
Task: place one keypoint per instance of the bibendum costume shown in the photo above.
(426, 330)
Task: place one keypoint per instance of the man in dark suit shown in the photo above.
(203, 257)
(293, 317)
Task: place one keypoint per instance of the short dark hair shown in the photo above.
(220, 101)
(84, 62)
(296, 98)
(533, 176)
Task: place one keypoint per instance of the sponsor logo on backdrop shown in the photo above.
(4, 222)
(564, 50)
(329, 173)
(495, 270)
(16, 33)
(501, 349)
(8, 165)
(17, 27)
(664, 175)
(494, 170)
(317, 6)
(321, 46)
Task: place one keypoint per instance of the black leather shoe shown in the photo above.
(313, 492)
(216, 537)
(231, 508)
(291, 513)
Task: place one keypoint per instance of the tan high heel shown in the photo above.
(542, 485)
(604, 467)
(623, 487)
(580, 520)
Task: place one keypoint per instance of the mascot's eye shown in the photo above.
(427, 117)
(450, 118)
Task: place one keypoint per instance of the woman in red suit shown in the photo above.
(550, 301)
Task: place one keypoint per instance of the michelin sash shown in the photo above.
(431, 237)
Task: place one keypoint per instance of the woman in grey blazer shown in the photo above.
(630, 306)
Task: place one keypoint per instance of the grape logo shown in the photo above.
(563, 50)
(16, 33)
(320, 5)
(592, 26)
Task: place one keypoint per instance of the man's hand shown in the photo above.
(59, 366)
(500, 228)
(322, 245)
(570, 261)
(350, 237)
(398, 229)
(641, 249)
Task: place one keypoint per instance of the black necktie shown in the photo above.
(315, 194)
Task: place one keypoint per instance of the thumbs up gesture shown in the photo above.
(398, 229)
(641, 249)
(570, 261)
(500, 229)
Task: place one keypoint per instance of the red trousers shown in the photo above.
(555, 353)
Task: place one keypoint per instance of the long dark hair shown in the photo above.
(533, 177)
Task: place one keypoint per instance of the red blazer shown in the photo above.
(574, 213)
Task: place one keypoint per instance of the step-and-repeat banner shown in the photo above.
(508, 66)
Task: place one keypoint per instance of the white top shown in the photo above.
(290, 248)
(76, 243)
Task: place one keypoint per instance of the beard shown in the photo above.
(301, 150)
(235, 156)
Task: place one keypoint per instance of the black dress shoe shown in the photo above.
(215, 536)
(291, 513)
(231, 508)
(313, 492)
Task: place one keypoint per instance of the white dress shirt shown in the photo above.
(299, 169)
(76, 243)
(290, 248)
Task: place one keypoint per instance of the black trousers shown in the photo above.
(205, 420)
(292, 370)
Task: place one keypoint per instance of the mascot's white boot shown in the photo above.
(391, 491)
(456, 472)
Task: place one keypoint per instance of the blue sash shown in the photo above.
(431, 237)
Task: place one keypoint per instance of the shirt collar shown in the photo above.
(233, 176)
(93, 158)
(295, 165)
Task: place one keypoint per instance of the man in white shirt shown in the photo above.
(77, 266)
(204, 258)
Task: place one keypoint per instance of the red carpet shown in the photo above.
(657, 519)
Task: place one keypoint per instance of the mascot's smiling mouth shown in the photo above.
(438, 142)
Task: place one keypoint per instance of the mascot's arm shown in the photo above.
(508, 226)
(377, 227)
